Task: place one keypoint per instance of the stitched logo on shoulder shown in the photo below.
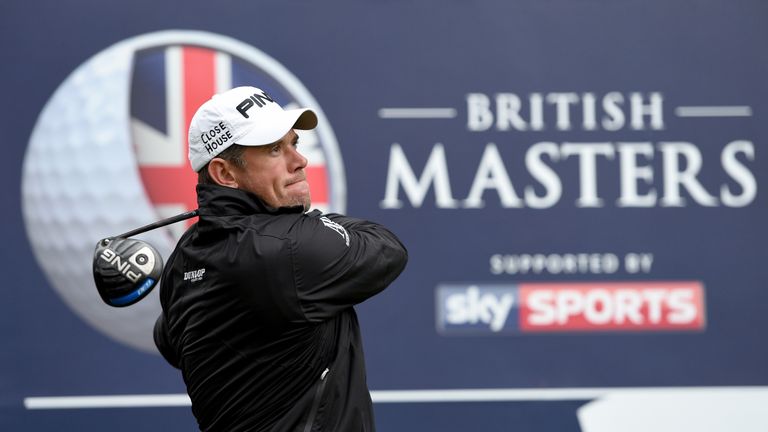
(194, 275)
(336, 227)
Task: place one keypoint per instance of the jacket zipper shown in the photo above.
(316, 403)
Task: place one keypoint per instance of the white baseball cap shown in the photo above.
(243, 115)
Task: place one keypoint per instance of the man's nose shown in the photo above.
(298, 161)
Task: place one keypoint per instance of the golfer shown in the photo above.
(258, 295)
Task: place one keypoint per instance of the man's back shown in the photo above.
(258, 314)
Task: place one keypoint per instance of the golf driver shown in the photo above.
(124, 269)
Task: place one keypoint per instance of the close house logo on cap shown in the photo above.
(216, 137)
(259, 99)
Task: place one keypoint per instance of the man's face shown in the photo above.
(275, 173)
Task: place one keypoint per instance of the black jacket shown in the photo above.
(257, 314)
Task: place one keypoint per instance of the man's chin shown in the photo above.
(304, 201)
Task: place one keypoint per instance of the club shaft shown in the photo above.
(158, 224)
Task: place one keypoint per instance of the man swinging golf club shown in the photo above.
(258, 295)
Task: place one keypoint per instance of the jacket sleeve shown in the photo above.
(340, 261)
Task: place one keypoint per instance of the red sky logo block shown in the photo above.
(612, 306)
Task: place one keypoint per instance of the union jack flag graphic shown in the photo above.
(168, 85)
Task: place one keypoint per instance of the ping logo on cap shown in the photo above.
(259, 99)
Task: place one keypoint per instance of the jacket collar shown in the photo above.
(215, 200)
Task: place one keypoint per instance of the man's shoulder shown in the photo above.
(261, 224)
(280, 225)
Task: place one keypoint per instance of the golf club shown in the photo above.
(126, 270)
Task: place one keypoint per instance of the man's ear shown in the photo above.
(221, 171)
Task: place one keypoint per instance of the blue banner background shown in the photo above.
(357, 57)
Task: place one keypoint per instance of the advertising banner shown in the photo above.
(579, 186)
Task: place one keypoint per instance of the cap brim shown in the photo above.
(275, 127)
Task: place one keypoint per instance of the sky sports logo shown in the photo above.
(570, 307)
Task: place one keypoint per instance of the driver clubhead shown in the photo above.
(125, 270)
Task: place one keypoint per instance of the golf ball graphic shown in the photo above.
(108, 154)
